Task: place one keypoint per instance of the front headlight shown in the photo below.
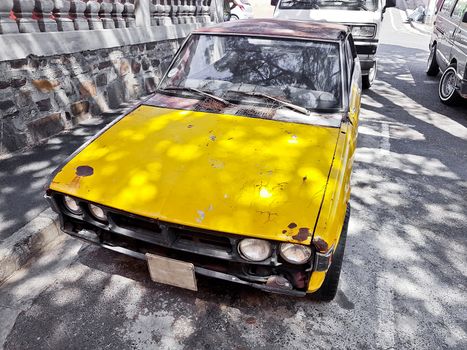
(295, 253)
(97, 212)
(72, 205)
(254, 249)
(363, 31)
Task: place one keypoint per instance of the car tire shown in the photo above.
(233, 18)
(447, 87)
(328, 289)
(432, 67)
(368, 79)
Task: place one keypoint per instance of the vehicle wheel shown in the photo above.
(234, 18)
(328, 290)
(367, 80)
(447, 87)
(432, 68)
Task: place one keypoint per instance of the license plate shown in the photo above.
(172, 272)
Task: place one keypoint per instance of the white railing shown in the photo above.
(49, 27)
(29, 16)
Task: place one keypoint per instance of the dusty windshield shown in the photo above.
(304, 74)
(352, 5)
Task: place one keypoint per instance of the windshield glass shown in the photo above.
(352, 5)
(304, 73)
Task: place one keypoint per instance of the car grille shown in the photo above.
(173, 236)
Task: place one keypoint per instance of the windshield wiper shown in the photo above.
(272, 98)
(197, 91)
(313, 4)
(332, 3)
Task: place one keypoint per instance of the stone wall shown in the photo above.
(41, 96)
(62, 61)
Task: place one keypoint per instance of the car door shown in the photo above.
(354, 84)
(445, 27)
(459, 40)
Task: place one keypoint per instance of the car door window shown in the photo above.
(349, 60)
(459, 10)
(447, 7)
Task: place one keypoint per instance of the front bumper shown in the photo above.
(213, 254)
(366, 51)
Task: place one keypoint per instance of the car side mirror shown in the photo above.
(274, 2)
(389, 3)
(464, 19)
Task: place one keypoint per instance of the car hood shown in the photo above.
(234, 174)
(332, 16)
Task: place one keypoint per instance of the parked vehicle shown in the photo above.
(237, 12)
(237, 168)
(448, 51)
(362, 16)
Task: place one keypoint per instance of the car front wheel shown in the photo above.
(368, 79)
(328, 289)
(432, 68)
(447, 90)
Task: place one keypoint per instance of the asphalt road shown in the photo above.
(403, 284)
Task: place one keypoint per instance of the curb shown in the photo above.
(28, 241)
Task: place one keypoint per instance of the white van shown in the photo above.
(363, 16)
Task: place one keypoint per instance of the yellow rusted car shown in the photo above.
(237, 168)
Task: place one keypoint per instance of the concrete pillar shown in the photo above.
(7, 25)
(142, 15)
(60, 12)
(105, 14)
(92, 14)
(77, 8)
(117, 14)
(23, 11)
(129, 14)
(43, 9)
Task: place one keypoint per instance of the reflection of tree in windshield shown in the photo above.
(306, 73)
(357, 5)
(285, 67)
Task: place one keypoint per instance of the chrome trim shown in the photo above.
(323, 260)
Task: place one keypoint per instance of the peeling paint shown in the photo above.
(303, 234)
(201, 216)
(292, 225)
(320, 244)
(84, 170)
(269, 214)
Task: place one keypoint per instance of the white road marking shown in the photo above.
(385, 328)
(385, 145)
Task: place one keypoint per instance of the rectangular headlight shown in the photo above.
(363, 31)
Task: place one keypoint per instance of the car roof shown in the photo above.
(279, 28)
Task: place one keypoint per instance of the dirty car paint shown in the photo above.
(223, 173)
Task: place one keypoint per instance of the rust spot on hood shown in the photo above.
(84, 170)
(320, 244)
(292, 225)
(303, 234)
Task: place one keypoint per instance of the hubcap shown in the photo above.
(448, 84)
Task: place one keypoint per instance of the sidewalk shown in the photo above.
(27, 224)
(422, 28)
